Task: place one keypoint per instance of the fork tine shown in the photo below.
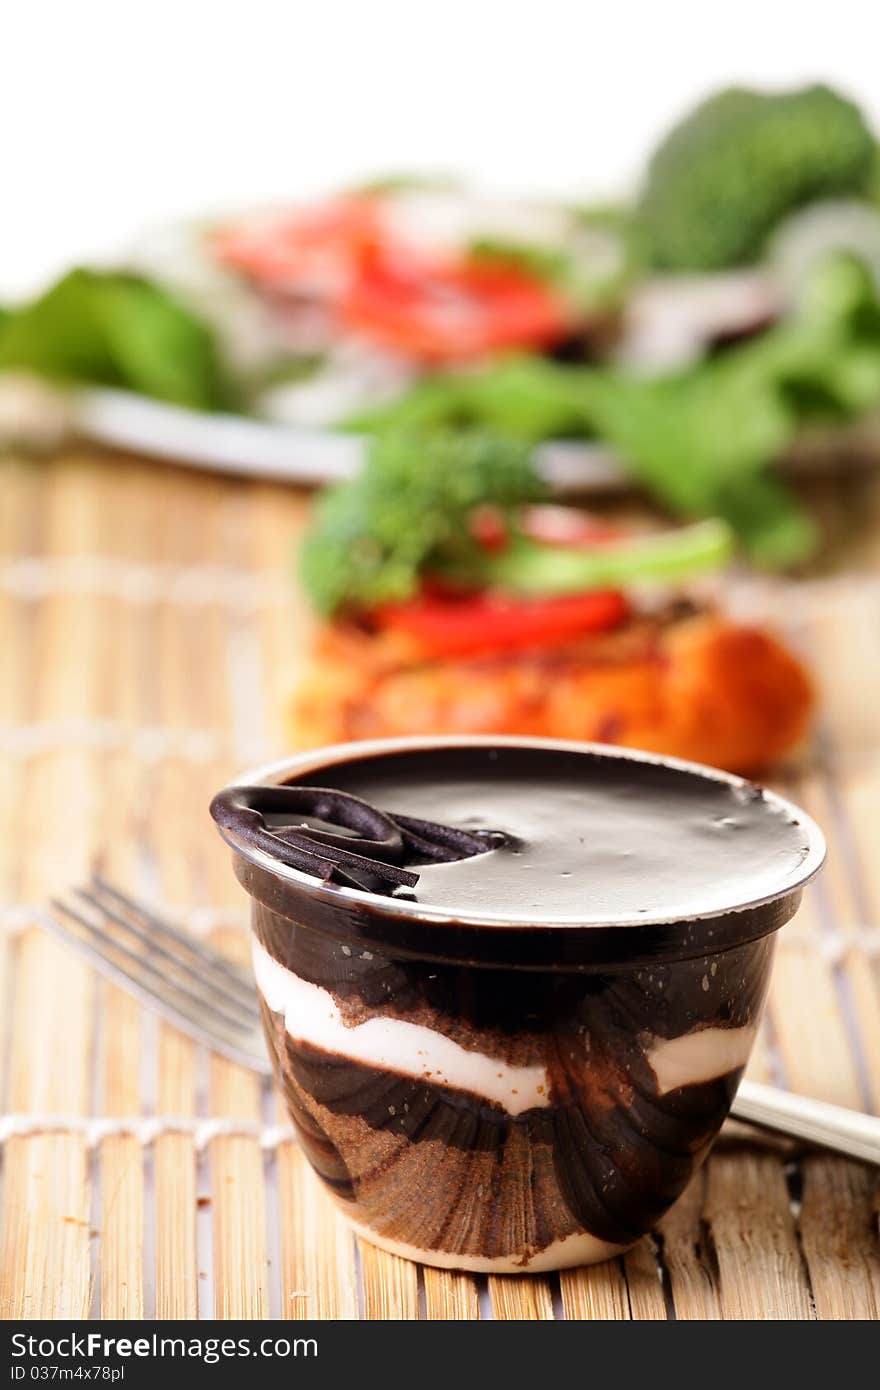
(237, 993)
(189, 946)
(154, 975)
(238, 1043)
(118, 932)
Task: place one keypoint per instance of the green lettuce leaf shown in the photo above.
(117, 329)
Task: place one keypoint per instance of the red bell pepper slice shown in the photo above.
(451, 312)
(312, 250)
(485, 623)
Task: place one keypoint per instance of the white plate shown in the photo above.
(260, 449)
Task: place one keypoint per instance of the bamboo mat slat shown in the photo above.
(687, 1256)
(391, 1285)
(151, 634)
(450, 1295)
(647, 1300)
(318, 1256)
(598, 1294)
(752, 1228)
(523, 1299)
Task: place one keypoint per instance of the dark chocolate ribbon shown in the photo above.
(383, 838)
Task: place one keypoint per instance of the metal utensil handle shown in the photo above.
(800, 1117)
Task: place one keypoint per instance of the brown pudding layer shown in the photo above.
(507, 1013)
(437, 1154)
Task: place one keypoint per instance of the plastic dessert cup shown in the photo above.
(519, 1064)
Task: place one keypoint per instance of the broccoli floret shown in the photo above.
(371, 537)
(725, 175)
(410, 513)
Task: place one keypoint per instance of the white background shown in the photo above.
(117, 115)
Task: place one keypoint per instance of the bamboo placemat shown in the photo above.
(149, 632)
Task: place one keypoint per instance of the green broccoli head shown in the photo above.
(372, 538)
(730, 170)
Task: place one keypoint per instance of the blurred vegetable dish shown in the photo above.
(699, 331)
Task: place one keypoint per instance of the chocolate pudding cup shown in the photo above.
(518, 1063)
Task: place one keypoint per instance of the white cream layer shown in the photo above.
(311, 1015)
(701, 1056)
(577, 1249)
(392, 1044)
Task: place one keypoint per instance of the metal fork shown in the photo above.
(213, 1000)
(201, 991)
